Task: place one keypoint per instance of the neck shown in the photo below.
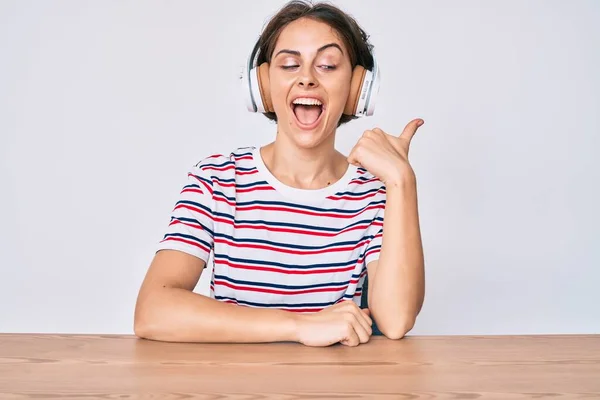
(304, 168)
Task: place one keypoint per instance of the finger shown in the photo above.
(379, 130)
(353, 160)
(348, 306)
(351, 338)
(363, 319)
(411, 128)
(363, 331)
(366, 316)
(366, 311)
(358, 312)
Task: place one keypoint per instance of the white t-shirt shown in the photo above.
(275, 245)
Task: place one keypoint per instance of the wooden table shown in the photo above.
(452, 367)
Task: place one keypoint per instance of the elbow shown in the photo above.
(141, 327)
(396, 330)
(145, 324)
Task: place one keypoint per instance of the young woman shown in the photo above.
(295, 226)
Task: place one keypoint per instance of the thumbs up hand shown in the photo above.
(385, 155)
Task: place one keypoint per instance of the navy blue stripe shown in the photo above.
(355, 194)
(276, 264)
(208, 181)
(189, 237)
(279, 286)
(302, 226)
(297, 305)
(292, 246)
(219, 179)
(247, 185)
(363, 178)
(193, 203)
(240, 185)
(226, 164)
(373, 248)
(305, 207)
(193, 220)
(248, 153)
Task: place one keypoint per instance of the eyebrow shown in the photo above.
(297, 53)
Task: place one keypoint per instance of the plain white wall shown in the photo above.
(105, 104)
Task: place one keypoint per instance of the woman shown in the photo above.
(295, 226)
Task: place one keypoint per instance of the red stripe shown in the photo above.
(307, 310)
(289, 251)
(255, 188)
(275, 291)
(291, 230)
(193, 190)
(361, 182)
(244, 190)
(254, 171)
(284, 271)
(316, 309)
(305, 212)
(176, 221)
(298, 231)
(198, 210)
(374, 251)
(213, 168)
(208, 188)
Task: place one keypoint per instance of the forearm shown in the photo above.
(179, 315)
(398, 287)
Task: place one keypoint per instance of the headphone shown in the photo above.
(364, 87)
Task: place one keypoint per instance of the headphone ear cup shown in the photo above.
(265, 87)
(356, 84)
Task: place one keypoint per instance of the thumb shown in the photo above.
(411, 128)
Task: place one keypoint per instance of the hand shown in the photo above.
(343, 322)
(384, 155)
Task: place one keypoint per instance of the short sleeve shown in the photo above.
(190, 227)
(374, 246)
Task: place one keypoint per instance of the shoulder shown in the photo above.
(220, 170)
(239, 157)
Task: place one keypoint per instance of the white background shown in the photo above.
(105, 104)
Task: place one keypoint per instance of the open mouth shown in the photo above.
(308, 112)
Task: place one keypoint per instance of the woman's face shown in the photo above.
(310, 65)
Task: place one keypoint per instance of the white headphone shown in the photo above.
(364, 87)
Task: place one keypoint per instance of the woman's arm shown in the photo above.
(397, 279)
(168, 310)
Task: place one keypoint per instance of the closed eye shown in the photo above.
(325, 67)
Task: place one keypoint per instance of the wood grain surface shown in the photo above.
(70, 367)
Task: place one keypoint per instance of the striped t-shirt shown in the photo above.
(274, 245)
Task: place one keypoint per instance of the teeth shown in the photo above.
(307, 101)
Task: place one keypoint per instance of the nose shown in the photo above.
(306, 78)
(306, 83)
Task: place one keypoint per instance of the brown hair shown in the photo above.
(354, 37)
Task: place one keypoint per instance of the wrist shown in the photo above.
(294, 323)
(402, 177)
